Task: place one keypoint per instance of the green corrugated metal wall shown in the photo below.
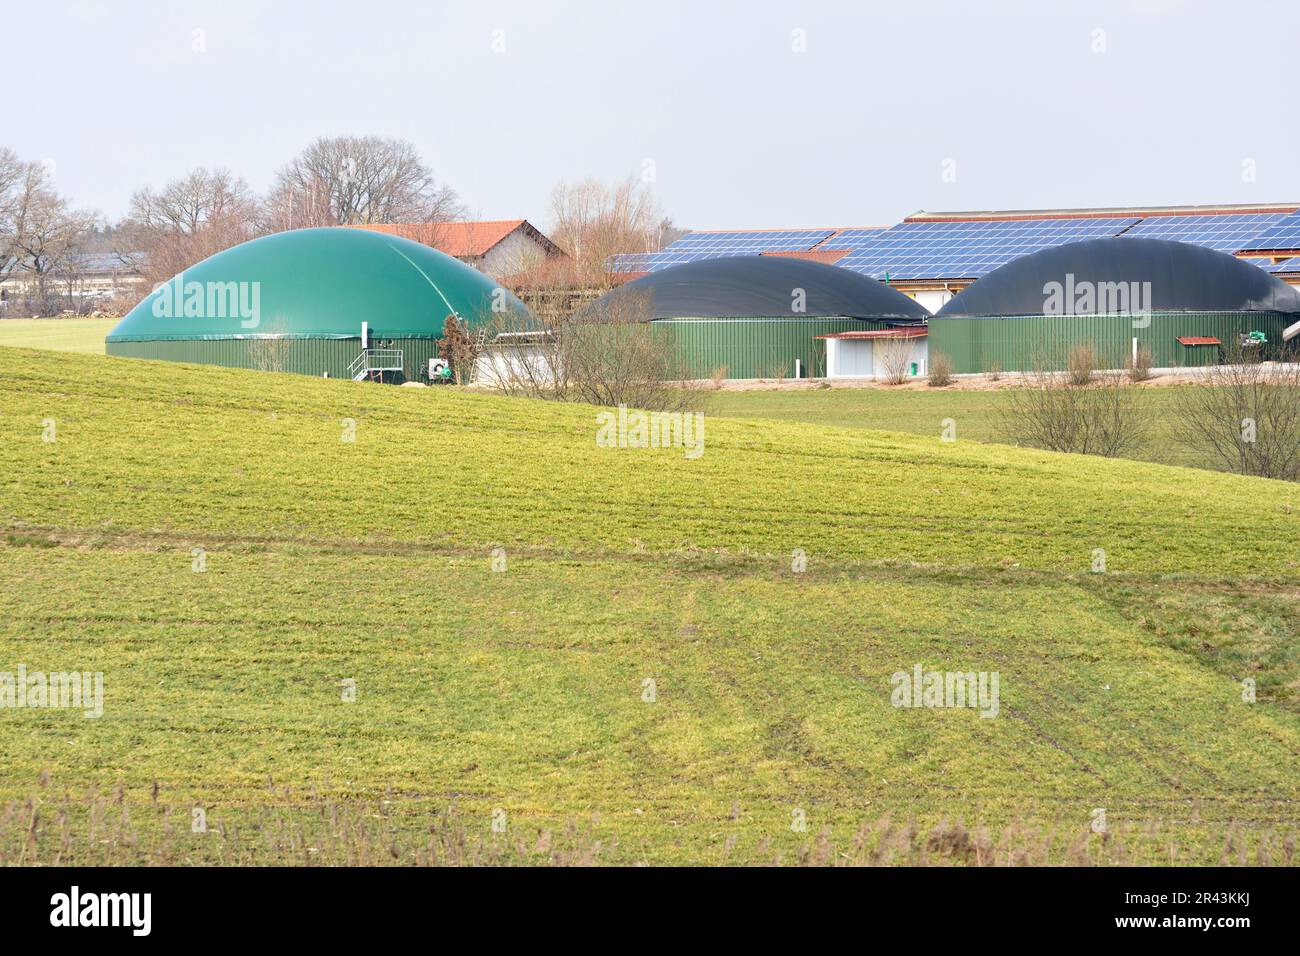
(306, 356)
(1019, 343)
(757, 348)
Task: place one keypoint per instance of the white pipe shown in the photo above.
(1290, 332)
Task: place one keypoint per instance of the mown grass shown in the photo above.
(524, 690)
(63, 335)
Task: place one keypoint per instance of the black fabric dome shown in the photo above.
(1183, 277)
(763, 287)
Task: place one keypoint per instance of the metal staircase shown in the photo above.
(375, 362)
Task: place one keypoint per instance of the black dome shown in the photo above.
(1183, 277)
(763, 287)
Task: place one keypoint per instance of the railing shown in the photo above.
(375, 360)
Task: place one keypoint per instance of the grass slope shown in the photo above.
(524, 691)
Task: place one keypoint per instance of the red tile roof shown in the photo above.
(1198, 340)
(464, 240)
(828, 256)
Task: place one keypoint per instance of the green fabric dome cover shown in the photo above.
(316, 283)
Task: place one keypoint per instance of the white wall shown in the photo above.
(516, 253)
(870, 358)
(933, 299)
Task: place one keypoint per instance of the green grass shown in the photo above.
(922, 412)
(63, 335)
(523, 690)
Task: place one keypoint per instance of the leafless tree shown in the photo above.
(189, 219)
(357, 180)
(12, 170)
(44, 234)
(1244, 414)
(593, 221)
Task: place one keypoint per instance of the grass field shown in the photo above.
(63, 335)
(921, 413)
(648, 679)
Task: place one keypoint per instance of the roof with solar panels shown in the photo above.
(943, 247)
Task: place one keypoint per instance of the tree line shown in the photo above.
(47, 245)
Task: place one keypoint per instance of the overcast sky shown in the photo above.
(1024, 105)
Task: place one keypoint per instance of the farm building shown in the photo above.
(1184, 302)
(499, 247)
(932, 256)
(336, 302)
(760, 316)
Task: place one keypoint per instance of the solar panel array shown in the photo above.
(1224, 233)
(1284, 234)
(1290, 265)
(968, 249)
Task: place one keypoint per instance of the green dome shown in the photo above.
(316, 283)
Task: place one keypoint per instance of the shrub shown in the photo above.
(940, 372)
(896, 360)
(1081, 363)
(995, 371)
(1139, 367)
(1051, 411)
(1245, 414)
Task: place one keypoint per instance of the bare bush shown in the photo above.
(895, 359)
(1050, 410)
(1139, 366)
(1244, 414)
(613, 355)
(940, 371)
(1081, 363)
(995, 371)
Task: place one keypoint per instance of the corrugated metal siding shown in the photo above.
(1018, 343)
(304, 356)
(757, 348)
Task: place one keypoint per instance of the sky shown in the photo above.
(740, 115)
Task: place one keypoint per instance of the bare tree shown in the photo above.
(12, 170)
(593, 221)
(189, 219)
(357, 180)
(1244, 414)
(44, 234)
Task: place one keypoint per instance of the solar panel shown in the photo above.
(630, 262)
(711, 245)
(1264, 263)
(968, 249)
(1290, 265)
(1226, 233)
(1284, 234)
